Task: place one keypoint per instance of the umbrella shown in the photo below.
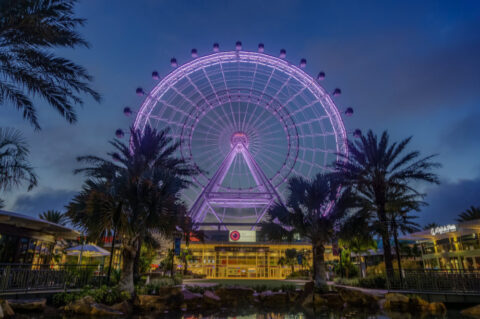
(88, 250)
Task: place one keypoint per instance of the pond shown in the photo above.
(258, 314)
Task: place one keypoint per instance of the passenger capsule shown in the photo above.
(119, 133)
(337, 92)
(140, 92)
(357, 133)
(303, 63)
(349, 111)
(283, 53)
(238, 46)
(155, 76)
(173, 62)
(194, 53)
(216, 47)
(127, 111)
(321, 76)
(261, 48)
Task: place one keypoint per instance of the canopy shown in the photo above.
(89, 250)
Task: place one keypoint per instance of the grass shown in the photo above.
(248, 282)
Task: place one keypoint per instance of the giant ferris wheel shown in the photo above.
(248, 121)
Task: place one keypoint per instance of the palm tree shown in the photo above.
(189, 230)
(291, 256)
(14, 167)
(98, 209)
(141, 182)
(399, 206)
(471, 213)
(54, 216)
(358, 244)
(373, 168)
(29, 30)
(306, 214)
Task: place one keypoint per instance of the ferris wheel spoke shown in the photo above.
(290, 125)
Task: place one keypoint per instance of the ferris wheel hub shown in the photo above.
(239, 138)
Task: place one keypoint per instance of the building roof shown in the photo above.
(460, 229)
(36, 224)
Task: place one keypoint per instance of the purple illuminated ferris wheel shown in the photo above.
(249, 121)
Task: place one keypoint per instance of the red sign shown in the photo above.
(234, 235)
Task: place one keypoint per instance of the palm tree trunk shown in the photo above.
(387, 248)
(397, 251)
(319, 276)
(112, 254)
(136, 262)
(126, 279)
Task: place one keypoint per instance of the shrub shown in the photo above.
(104, 294)
(303, 274)
(377, 281)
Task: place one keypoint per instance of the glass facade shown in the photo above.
(456, 250)
(24, 250)
(247, 261)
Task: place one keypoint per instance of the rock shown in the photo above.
(124, 307)
(314, 300)
(273, 299)
(472, 311)
(151, 302)
(191, 300)
(98, 309)
(235, 296)
(357, 298)
(396, 302)
(415, 305)
(27, 304)
(6, 309)
(88, 306)
(437, 308)
(334, 300)
(210, 299)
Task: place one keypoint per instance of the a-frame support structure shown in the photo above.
(261, 198)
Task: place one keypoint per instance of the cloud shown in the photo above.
(36, 203)
(447, 200)
(463, 134)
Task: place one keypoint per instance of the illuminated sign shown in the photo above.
(443, 229)
(242, 236)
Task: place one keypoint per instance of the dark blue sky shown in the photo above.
(412, 67)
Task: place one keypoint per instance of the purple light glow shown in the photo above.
(279, 134)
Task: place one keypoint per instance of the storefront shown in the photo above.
(453, 247)
(238, 255)
(27, 240)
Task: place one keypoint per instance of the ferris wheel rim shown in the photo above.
(284, 66)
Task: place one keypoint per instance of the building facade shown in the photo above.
(242, 255)
(451, 247)
(28, 240)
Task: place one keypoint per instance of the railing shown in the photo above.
(467, 281)
(28, 277)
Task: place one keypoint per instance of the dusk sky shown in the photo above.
(409, 67)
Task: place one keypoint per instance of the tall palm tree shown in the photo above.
(14, 167)
(400, 204)
(144, 180)
(471, 213)
(98, 209)
(29, 30)
(306, 214)
(54, 216)
(374, 167)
